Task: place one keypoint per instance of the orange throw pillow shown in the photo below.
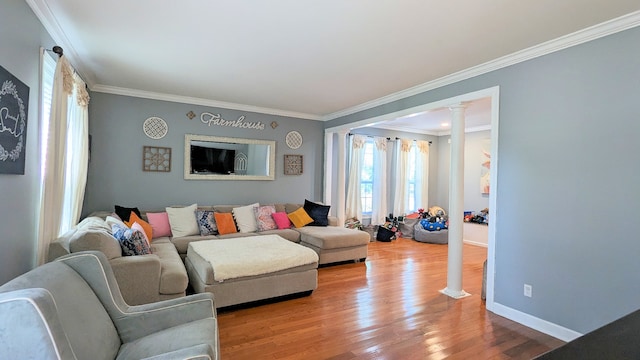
(225, 222)
(300, 218)
(133, 218)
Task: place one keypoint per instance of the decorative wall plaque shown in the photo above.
(293, 139)
(14, 107)
(157, 159)
(155, 127)
(293, 164)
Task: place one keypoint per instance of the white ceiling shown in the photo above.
(311, 59)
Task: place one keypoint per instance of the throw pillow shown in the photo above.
(183, 220)
(206, 222)
(245, 218)
(225, 223)
(160, 224)
(318, 212)
(264, 220)
(148, 231)
(114, 220)
(300, 218)
(137, 226)
(131, 241)
(125, 212)
(281, 219)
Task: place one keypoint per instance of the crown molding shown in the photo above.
(606, 28)
(199, 101)
(51, 25)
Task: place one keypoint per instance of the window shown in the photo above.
(366, 178)
(46, 88)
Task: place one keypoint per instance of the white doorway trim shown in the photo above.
(494, 94)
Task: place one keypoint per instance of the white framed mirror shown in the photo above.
(224, 158)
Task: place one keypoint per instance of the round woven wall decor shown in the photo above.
(155, 127)
(293, 139)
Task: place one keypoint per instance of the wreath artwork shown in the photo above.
(14, 100)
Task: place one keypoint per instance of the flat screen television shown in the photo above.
(212, 160)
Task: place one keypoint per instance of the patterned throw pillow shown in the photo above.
(263, 217)
(206, 222)
(131, 241)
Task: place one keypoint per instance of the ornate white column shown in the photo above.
(342, 176)
(456, 205)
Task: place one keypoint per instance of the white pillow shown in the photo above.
(183, 221)
(246, 218)
(112, 220)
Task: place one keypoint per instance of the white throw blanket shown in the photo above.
(252, 255)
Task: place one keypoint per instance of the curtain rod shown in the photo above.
(57, 49)
(388, 138)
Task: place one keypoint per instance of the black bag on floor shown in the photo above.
(385, 234)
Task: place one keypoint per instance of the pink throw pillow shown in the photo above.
(160, 224)
(281, 219)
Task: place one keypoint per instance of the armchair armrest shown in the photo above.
(138, 278)
(142, 320)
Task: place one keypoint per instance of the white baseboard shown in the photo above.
(475, 243)
(533, 322)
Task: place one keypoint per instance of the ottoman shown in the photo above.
(335, 244)
(243, 270)
(432, 237)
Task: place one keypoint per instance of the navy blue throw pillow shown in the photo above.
(125, 212)
(318, 212)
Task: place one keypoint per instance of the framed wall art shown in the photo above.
(293, 164)
(156, 159)
(14, 107)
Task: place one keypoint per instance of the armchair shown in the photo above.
(72, 308)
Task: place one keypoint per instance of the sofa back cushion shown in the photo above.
(85, 322)
(95, 238)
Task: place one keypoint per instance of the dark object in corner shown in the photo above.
(616, 340)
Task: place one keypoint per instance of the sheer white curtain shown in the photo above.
(401, 195)
(380, 175)
(422, 174)
(65, 159)
(353, 201)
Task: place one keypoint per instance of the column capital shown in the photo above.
(459, 106)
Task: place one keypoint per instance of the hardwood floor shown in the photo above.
(388, 307)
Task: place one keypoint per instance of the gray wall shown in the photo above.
(474, 200)
(115, 169)
(21, 36)
(568, 180)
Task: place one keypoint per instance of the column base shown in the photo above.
(455, 294)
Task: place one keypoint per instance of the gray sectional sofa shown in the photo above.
(162, 274)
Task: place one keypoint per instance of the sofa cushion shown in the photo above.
(318, 213)
(183, 220)
(173, 275)
(160, 224)
(246, 218)
(181, 243)
(94, 234)
(206, 222)
(125, 212)
(264, 221)
(288, 234)
(333, 237)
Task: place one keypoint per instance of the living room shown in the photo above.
(563, 115)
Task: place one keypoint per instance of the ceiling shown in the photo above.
(309, 59)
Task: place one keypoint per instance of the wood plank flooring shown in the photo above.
(388, 307)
